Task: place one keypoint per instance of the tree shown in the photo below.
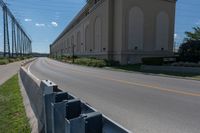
(190, 51)
(193, 36)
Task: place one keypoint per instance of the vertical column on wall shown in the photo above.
(135, 29)
(97, 35)
(162, 31)
(6, 32)
(78, 41)
(13, 38)
(87, 37)
(111, 29)
(72, 46)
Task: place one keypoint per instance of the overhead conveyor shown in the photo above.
(21, 42)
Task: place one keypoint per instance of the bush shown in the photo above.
(190, 51)
(1, 58)
(22, 58)
(186, 64)
(11, 60)
(153, 61)
(112, 63)
(4, 61)
(18, 59)
(90, 62)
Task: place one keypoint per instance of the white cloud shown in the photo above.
(27, 19)
(40, 25)
(175, 36)
(55, 24)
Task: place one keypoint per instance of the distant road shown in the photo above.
(7, 71)
(142, 103)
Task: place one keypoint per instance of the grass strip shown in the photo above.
(12, 113)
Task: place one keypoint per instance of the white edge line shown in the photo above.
(29, 72)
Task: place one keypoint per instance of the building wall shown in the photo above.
(122, 30)
(144, 28)
(89, 37)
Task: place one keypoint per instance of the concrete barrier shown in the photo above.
(61, 112)
(35, 95)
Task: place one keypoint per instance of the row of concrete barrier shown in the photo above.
(61, 112)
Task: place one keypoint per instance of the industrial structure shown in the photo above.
(121, 30)
(21, 42)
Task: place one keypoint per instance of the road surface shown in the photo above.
(139, 102)
(7, 71)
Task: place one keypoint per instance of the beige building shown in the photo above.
(122, 30)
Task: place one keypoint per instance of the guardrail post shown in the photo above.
(48, 88)
(85, 123)
(58, 108)
(93, 122)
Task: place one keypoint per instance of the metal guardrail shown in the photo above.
(64, 113)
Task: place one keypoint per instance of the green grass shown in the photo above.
(90, 62)
(136, 68)
(128, 68)
(6, 60)
(12, 113)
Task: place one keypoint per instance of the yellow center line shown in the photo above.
(137, 84)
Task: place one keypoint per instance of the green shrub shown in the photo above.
(90, 62)
(11, 60)
(153, 61)
(1, 58)
(22, 58)
(190, 51)
(4, 61)
(112, 63)
(18, 59)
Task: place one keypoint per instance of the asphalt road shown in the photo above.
(141, 103)
(7, 71)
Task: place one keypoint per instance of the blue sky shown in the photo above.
(43, 20)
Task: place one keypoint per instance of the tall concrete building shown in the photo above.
(122, 30)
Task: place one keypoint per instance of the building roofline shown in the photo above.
(72, 23)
